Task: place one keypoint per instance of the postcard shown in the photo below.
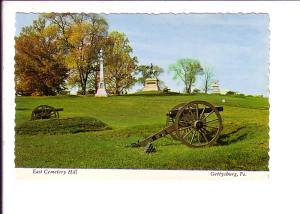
(147, 93)
(142, 91)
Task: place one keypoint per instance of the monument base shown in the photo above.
(101, 92)
(215, 89)
(151, 84)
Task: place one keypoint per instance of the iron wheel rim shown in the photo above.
(196, 128)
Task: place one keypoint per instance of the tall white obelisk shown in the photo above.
(101, 92)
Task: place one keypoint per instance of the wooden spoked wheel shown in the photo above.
(44, 112)
(198, 124)
(171, 120)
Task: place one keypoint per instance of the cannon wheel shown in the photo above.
(196, 128)
(44, 112)
(171, 121)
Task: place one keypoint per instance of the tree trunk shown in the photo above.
(117, 90)
(206, 86)
(83, 89)
(96, 81)
(189, 88)
(83, 85)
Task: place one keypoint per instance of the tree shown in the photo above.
(81, 38)
(187, 71)
(207, 77)
(119, 65)
(39, 63)
(147, 71)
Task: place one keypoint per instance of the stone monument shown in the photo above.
(151, 84)
(101, 92)
(215, 89)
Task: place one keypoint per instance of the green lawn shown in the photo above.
(243, 144)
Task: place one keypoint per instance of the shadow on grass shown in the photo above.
(226, 139)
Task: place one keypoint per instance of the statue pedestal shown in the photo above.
(101, 92)
(215, 89)
(151, 84)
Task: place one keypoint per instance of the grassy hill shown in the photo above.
(243, 144)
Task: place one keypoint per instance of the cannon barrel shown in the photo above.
(174, 112)
(47, 110)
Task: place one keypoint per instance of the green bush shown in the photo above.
(91, 91)
(230, 93)
(79, 92)
(60, 126)
(166, 90)
(64, 92)
(240, 95)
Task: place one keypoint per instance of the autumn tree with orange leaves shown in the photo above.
(39, 62)
(63, 49)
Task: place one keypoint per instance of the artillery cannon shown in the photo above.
(195, 124)
(45, 112)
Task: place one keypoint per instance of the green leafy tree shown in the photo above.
(186, 70)
(81, 38)
(119, 65)
(39, 62)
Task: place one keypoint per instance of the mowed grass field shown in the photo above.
(243, 145)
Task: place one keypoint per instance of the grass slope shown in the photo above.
(243, 144)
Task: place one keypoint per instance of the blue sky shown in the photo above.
(235, 45)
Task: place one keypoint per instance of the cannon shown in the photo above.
(195, 124)
(45, 112)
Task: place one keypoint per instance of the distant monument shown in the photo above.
(101, 92)
(151, 84)
(215, 89)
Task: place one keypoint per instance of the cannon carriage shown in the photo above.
(195, 124)
(45, 112)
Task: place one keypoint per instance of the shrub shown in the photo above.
(64, 92)
(230, 93)
(61, 126)
(79, 92)
(166, 90)
(91, 91)
(240, 95)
